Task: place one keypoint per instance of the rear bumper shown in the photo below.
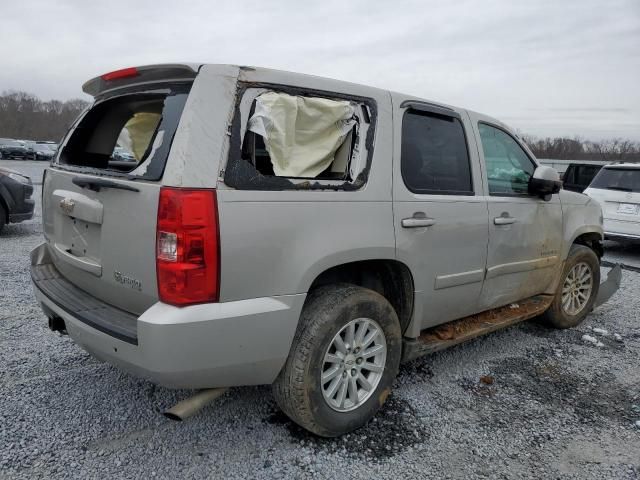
(621, 229)
(226, 344)
(621, 235)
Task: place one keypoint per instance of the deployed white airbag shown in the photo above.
(301, 134)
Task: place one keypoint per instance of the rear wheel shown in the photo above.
(343, 360)
(577, 289)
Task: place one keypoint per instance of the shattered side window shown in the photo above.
(301, 135)
(288, 140)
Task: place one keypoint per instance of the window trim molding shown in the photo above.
(436, 111)
(430, 108)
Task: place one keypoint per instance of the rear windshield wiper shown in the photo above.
(96, 184)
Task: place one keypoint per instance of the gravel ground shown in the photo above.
(526, 402)
(625, 252)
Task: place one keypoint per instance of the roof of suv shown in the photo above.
(154, 73)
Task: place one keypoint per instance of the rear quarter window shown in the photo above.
(289, 138)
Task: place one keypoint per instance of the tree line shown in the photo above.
(24, 116)
(561, 148)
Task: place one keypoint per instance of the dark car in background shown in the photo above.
(14, 149)
(578, 176)
(44, 151)
(30, 146)
(16, 204)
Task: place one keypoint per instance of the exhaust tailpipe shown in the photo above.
(56, 324)
(192, 405)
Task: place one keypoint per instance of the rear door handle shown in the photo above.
(417, 222)
(504, 220)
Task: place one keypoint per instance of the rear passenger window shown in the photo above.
(509, 168)
(434, 158)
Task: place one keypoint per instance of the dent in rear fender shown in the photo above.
(252, 336)
(201, 138)
(580, 215)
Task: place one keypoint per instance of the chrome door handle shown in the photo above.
(417, 222)
(504, 220)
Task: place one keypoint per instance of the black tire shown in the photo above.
(556, 316)
(3, 217)
(298, 389)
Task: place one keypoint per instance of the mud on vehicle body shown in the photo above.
(285, 229)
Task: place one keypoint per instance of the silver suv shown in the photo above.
(285, 229)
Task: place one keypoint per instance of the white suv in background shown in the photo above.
(617, 188)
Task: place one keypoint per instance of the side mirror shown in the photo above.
(544, 182)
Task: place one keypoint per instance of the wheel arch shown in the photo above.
(591, 239)
(390, 278)
(590, 236)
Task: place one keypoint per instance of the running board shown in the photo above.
(452, 333)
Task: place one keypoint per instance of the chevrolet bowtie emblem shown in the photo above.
(66, 204)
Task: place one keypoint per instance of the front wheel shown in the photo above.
(343, 360)
(577, 290)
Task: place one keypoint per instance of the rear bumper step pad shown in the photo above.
(84, 307)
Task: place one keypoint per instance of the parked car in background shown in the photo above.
(30, 146)
(16, 204)
(43, 151)
(562, 165)
(303, 232)
(121, 154)
(617, 188)
(14, 150)
(578, 176)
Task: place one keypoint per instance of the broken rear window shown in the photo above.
(288, 141)
(128, 134)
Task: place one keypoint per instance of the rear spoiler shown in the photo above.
(132, 76)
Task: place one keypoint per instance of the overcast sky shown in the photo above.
(544, 67)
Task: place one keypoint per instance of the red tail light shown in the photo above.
(187, 246)
(124, 73)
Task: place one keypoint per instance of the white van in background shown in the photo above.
(617, 188)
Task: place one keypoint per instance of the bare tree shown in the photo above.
(578, 149)
(25, 116)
